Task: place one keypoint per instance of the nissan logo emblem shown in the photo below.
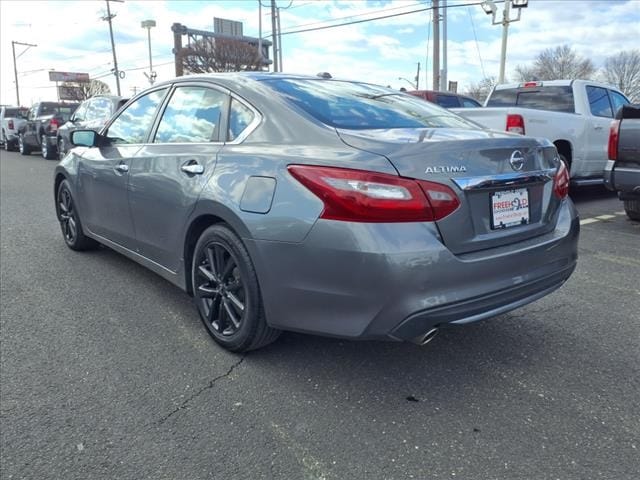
(517, 160)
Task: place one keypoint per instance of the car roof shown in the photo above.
(555, 83)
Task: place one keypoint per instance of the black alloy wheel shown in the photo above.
(226, 292)
(69, 220)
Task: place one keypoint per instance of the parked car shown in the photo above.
(446, 99)
(11, 118)
(301, 203)
(622, 173)
(573, 114)
(40, 130)
(92, 114)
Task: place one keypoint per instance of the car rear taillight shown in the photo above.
(10, 124)
(363, 196)
(561, 181)
(614, 132)
(515, 123)
(53, 124)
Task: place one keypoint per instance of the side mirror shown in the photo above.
(84, 138)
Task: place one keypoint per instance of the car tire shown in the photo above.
(69, 220)
(46, 151)
(24, 148)
(226, 292)
(61, 148)
(632, 208)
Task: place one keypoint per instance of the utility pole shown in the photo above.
(418, 77)
(436, 46)
(260, 32)
(505, 31)
(274, 33)
(443, 77)
(113, 45)
(15, 68)
(279, 41)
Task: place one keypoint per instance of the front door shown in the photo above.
(169, 173)
(103, 172)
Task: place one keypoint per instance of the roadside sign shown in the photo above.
(68, 77)
(66, 92)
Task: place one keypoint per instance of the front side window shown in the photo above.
(468, 103)
(599, 102)
(448, 101)
(358, 106)
(134, 123)
(80, 113)
(192, 116)
(240, 117)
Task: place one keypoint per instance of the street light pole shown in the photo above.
(413, 85)
(149, 24)
(15, 68)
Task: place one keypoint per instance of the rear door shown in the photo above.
(103, 172)
(169, 173)
(599, 122)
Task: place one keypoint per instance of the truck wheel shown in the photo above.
(632, 207)
(24, 148)
(46, 149)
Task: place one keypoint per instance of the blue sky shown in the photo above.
(379, 51)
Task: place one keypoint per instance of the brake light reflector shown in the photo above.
(515, 123)
(363, 196)
(614, 133)
(53, 124)
(561, 181)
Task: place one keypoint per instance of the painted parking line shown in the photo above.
(599, 218)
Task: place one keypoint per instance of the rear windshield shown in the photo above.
(554, 98)
(359, 106)
(15, 113)
(64, 111)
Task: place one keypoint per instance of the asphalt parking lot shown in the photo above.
(107, 373)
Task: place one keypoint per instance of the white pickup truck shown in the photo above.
(573, 114)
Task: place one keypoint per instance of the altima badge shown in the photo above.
(517, 160)
(446, 169)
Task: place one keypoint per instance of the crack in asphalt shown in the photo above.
(209, 386)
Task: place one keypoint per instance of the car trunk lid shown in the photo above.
(504, 182)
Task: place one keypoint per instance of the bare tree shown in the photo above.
(623, 71)
(557, 63)
(481, 90)
(220, 55)
(82, 90)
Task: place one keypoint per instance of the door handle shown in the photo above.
(122, 168)
(598, 127)
(192, 168)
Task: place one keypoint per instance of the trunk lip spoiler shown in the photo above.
(505, 179)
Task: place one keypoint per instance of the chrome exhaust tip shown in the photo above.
(425, 337)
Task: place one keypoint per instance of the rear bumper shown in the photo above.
(624, 178)
(397, 281)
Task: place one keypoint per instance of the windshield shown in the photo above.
(360, 106)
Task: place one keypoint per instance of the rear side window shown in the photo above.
(192, 116)
(599, 102)
(240, 117)
(617, 100)
(356, 106)
(133, 123)
(447, 101)
(552, 98)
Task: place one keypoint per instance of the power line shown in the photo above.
(426, 9)
(477, 46)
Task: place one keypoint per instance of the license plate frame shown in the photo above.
(509, 208)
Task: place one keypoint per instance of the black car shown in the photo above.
(40, 130)
(92, 114)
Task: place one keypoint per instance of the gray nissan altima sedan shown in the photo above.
(317, 205)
